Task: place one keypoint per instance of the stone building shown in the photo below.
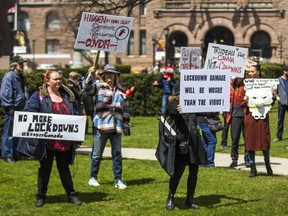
(259, 25)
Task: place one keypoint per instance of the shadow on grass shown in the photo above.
(213, 201)
(84, 197)
(140, 181)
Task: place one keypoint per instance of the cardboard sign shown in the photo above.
(49, 126)
(204, 91)
(103, 32)
(223, 57)
(190, 58)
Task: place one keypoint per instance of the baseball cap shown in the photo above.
(18, 59)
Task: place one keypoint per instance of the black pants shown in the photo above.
(237, 126)
(63, 159)
(191, 181)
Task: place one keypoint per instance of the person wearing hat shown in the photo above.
(189, 150)
(111, 119)
(166, 82)
(282, 97)
(14, 94)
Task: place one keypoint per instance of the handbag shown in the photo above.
(166, 148)
(215, 124)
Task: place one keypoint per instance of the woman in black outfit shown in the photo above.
(187, 132)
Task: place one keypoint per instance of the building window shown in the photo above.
(143, 9)
(142, 42)
(131, 44)
(261, 45)
(23, 23)
(52, 21)
(52, 47)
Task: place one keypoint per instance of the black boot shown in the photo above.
(170, 202)
(40, 200)
(189, 202)
(233, 164)
(268, 167)
(72, 198)
(253, 171)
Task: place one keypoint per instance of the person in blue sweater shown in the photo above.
(166, 82)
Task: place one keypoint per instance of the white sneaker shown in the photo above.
(120, 184)
(93, 182)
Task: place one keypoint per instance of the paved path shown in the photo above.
(279, 165)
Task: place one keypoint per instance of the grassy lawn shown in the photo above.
(220, 191)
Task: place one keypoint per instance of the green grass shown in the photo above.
(219, 191)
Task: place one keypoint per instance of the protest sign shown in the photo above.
(204, 91)
(260, 95)
(223, 57)
(190, 58)
(49, 126)
(103, 32)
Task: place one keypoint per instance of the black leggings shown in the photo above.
(191, 181)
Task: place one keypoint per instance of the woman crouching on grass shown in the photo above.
(192, 156)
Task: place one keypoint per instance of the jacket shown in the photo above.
(14, 92)
(40, 102)
(281, 92)
(111, 111)
(167, 86)
(187, 131)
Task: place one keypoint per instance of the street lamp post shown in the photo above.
(154, 47)
(166, 32)
(10, 18)
(33, 50)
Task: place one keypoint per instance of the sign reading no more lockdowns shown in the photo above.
(49, 126)
(103, 32)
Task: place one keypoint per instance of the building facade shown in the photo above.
(160, 28)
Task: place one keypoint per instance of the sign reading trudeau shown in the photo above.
(49, 126)
(224, 57)
(103, 32)
(204, 91)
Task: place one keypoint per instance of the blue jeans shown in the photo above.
(164, 104)
(100, 140)
(209, 141)
(282, 109)
(7, 144)
(251, 154)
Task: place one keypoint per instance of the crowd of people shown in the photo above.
(108, 108)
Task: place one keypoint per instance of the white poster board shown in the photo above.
(204, 91)
(190, 58)
(224, 57)
(103, 32)
(260, 95)
(49, 126)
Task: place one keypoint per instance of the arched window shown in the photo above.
(260, 45)
(52, 21)
(23, 23)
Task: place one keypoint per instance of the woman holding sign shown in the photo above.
(257, 130)
(53, 97)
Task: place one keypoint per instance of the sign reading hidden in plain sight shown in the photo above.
(223, 57)
(190, 58)
(103, 32)
(204, 91)
(260, 95)
(49, 126)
